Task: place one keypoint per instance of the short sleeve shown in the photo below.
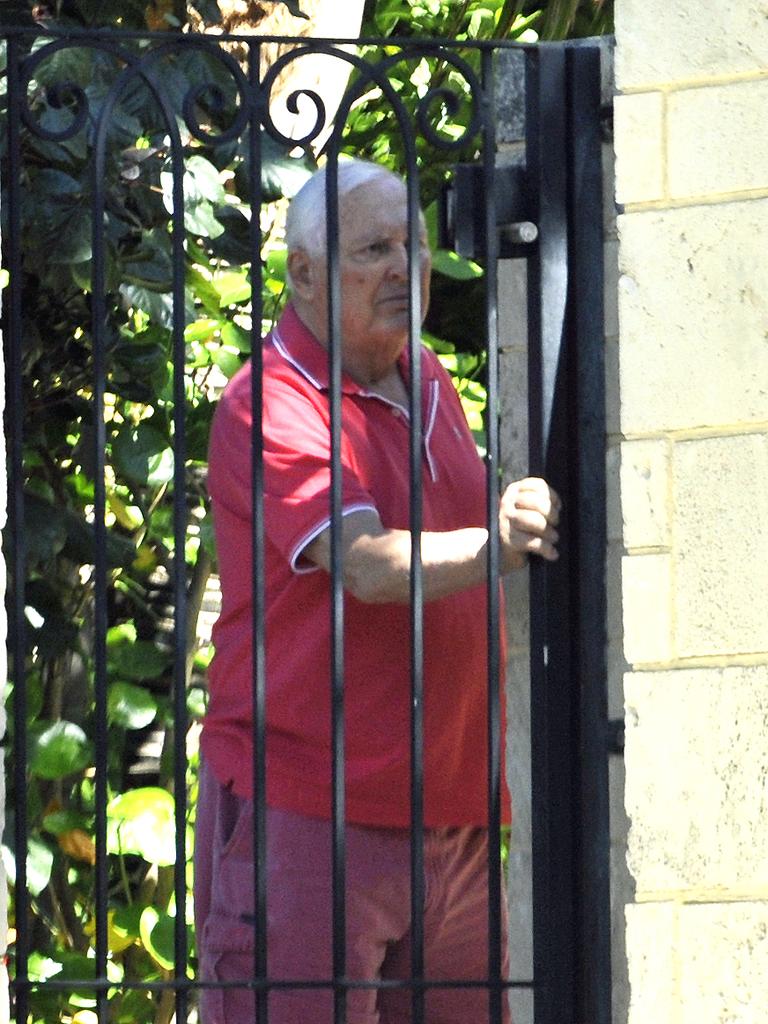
(296, 463)
(297, 470)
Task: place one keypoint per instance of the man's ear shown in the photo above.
(303, 273)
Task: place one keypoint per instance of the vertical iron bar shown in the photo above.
(14, 424)
(416, 587)
(180, 580)
(337, 592)
(551, 784)
(587, 334)
(495, 992)
(257, 547)
(98, 296)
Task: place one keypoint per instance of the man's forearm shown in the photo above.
(377, 569)
(377, 561)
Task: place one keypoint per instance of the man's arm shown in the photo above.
(377, 561)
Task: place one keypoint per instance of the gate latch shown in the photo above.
(461, 213)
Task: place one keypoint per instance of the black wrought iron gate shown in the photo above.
(111, 359)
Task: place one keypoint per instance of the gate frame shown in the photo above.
(566, 415)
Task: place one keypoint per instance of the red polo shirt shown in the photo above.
(377, 673)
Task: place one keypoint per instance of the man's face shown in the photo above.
(373, 263)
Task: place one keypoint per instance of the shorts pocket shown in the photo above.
(226, 954)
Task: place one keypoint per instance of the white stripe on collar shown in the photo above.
(434, 394)
(280, 346)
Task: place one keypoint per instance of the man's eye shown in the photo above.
(378, 248)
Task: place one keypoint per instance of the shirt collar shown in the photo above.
(299, 347)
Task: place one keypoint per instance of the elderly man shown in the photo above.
(376, 547)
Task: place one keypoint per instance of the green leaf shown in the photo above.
(227, 361)
(138, 660)
(59, 749)
(143, 455)
(454, 266)
(151, 265)
(135, 1007)
(157, 930)
(157, 935)
(235, 337)
(125, 920)
(232, 287)
(159, 305)
(58, 822)
(204, 291)
(41, 967)
(200, 219)
(51, 634)
(202, 330)
(199, 419)
(197, 701)
(283, 176)
(69, 64)
(141, 821)
(45, 530)
(123, 633)
(202, 181)
(130, 706)
(55, 184)
(39, 865)
(203, 190)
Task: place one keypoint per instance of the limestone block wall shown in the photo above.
(689, 517)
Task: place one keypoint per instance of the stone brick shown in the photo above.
(645, 493)
(619, 820)
(609, 189)
(622, 891)
(647, 604)
(611, 277)
(612, 386)
(619, 968)
(513, 427)
(697, 779)
(693, 307)
(651, 945)
(614, 518)
(713, 144)
(723, 963)
(519, 748)
(614, 558)
(658, 41)
(639, 133)
(518, 610)
(721, 545)
(617, 667)
(521, 913)
(513, 304)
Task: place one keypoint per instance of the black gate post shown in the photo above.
(552, 781)
(586, 343)
(570, 841)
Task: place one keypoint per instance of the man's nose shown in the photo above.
(398, 263)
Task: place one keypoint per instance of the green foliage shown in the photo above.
(140, 422)
(527, 20)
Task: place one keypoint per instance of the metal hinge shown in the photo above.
(461, 217)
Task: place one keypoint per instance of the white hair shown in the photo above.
(305, 226)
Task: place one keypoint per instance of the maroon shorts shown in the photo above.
(378, 921)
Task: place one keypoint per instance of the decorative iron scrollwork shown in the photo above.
(247, 99)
